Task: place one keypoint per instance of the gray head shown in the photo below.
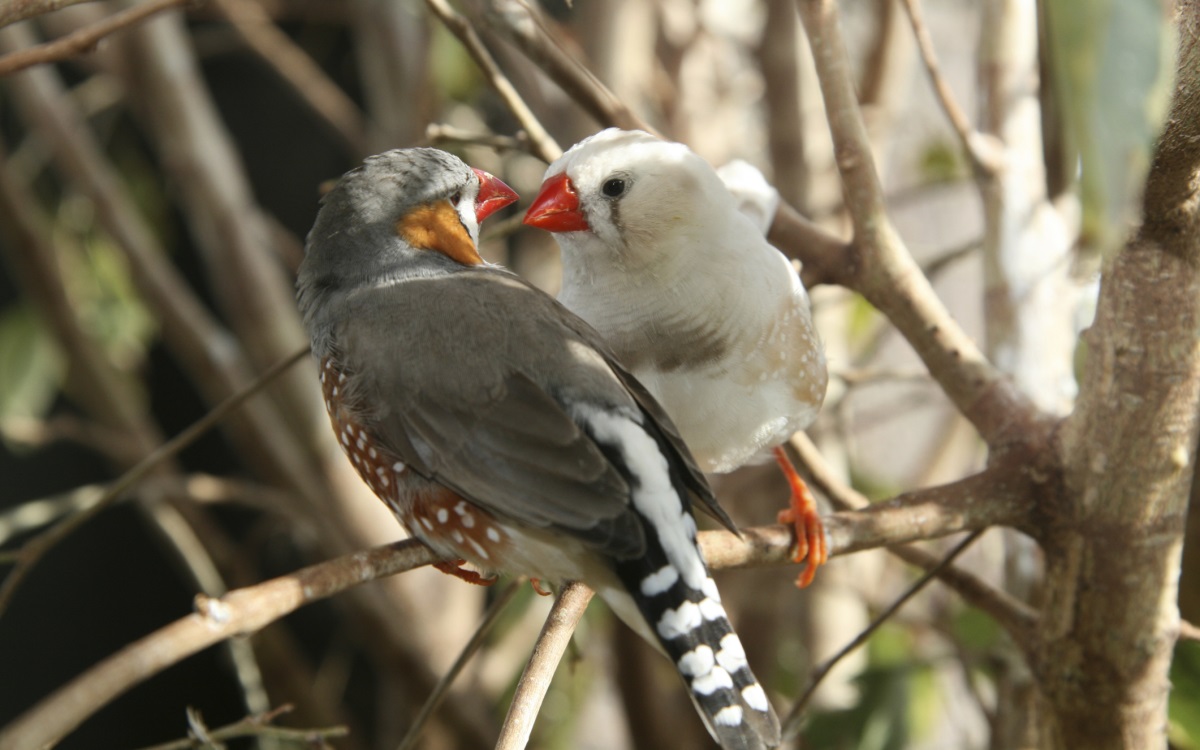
(407, 211)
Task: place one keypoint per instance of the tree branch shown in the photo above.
(881, 269)
(306, 79)
(526, 28)
(85, 39)
(495, 609)
(237, 613)
(35, 549)
(791, 724)
(246, 610)
(1016, 617)
(985, 153)
(544, 146)
(12, 11)
(566, 613)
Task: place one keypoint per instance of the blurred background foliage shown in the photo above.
(100, 358)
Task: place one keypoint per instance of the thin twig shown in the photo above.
(239, 612)
(258, 725)
(252, 22)
(791, 724)
(881, 268)
(96, 436)
(936, 265)
(525, 27)
(1016, 617)
(36, 548)
(531, 689)
(246, 610)
(85, 39)
(439, 691)
(12, 11)
(985, 152)
(544, 146)
(203, 346)
(439, 133)
(1188, 631)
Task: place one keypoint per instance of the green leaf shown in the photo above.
(1112, 76)
(975, 630)
(1184, 707)
(31, 365)
(941, 162)
(101, 288)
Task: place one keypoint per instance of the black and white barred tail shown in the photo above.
(691, 626)
(676, 601)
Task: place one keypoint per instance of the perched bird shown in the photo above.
(500, 429)
(693, 300)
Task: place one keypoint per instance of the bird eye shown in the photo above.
(613, 188)
(456, 198)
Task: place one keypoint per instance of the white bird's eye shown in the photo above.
(613, 187)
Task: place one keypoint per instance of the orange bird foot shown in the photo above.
(802, 515)
(537, 587)
(455, 568)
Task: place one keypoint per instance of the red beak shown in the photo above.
(493, 195)
(556, 209)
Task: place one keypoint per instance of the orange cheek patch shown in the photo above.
(436, 227)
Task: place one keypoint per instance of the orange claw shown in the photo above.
(537, 586)
(456, 569)
(802, 516)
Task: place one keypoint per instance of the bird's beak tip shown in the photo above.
(493, 195)
(556, 208)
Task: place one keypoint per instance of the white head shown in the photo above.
(633, 196)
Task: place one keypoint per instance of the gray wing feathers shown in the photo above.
(477, 409)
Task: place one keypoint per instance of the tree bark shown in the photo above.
(1113, 545)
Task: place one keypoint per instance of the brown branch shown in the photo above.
(237, 613)
(985, 152)
(258, 725)
(216, 197)
(12, 11)
(1016, 617)
(544, 146)
(791, 724)
(825, 258)
(566, 613)
(84, 40)
(34, 550)
(527, 28)
(495, 609)
(438, 133)
(245, 610)
(884, 272)
(203, 347)
(778, 59)
(253, 24)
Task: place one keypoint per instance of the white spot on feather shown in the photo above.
(711, 610)
(677, 622)
(730, 716)
(732, 656)
(478, 548)
(755, 697)
(659, 581)
(698, 661)
(708, 684)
